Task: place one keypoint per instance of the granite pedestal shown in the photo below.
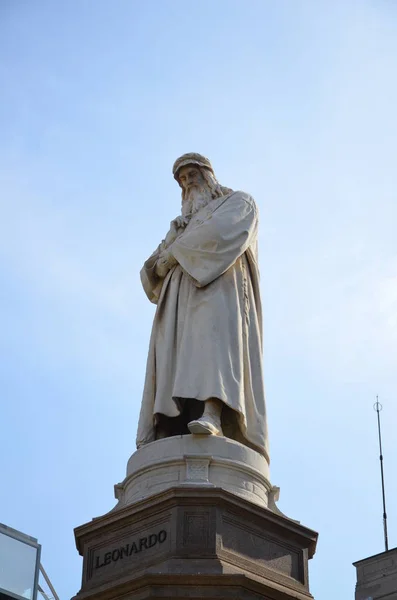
(192, 538)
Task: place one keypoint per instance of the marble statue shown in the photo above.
(204, 371)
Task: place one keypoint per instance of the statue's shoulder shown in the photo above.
(240, 196)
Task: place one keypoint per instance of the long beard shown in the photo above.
(197, 198)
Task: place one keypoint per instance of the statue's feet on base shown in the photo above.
(206, 425)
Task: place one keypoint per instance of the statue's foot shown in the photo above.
(206, 425)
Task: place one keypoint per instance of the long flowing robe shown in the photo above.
(206, 339)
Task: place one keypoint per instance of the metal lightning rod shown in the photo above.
(378, 407)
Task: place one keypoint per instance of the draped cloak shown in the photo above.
(206, 339)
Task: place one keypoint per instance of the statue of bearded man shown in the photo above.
(204, 371)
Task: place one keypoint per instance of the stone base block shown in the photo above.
(183, 544)
(197, 460)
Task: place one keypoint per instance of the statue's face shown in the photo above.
(190, 177)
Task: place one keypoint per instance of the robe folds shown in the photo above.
(206, 339)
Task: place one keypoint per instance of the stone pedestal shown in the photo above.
(197, 460)
(206, 528)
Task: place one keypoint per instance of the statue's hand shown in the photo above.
(180, 222)
(176, 227)
(165, 262)
(161, 268)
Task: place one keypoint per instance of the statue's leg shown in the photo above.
(170, 426)
(210, 422)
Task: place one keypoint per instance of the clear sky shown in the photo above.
(293, 101)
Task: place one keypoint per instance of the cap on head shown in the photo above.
(191, 158)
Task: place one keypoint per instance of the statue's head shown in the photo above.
(196, 177)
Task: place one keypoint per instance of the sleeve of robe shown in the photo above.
(151, 282)
(211, 247)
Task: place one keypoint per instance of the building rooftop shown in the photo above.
(377, 577)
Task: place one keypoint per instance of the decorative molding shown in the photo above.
(196, 529)
(197, 468)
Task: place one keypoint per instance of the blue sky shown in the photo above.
(293, 101)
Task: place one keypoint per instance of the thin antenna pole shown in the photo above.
(378, 407)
